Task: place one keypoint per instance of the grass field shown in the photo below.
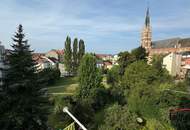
(68, 86)
(65, 86)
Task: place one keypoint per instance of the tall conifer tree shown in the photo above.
(23, 104)
(68, 55)
(81, 50)
(75, 55)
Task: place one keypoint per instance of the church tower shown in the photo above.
(146, 36)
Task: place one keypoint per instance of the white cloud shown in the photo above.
(48, 22)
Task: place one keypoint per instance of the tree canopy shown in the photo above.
(89, 75)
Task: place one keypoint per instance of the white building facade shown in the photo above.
(172, 62)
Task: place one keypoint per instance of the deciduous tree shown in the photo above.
(89, 75)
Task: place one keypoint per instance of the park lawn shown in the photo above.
(104, 82)
(68, 86)
(65, 85)
(65, 81)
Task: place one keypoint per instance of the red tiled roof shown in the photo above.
(107, 63)
(187, 61)
(102, 55)
(60, 52)
(38, 57)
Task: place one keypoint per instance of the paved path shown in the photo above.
(61, 93)
(55, 87)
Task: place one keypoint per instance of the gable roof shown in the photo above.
(59, 52)
(103, 55)
(184, 42)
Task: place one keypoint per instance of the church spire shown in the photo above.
(147, 19)
(146, 36)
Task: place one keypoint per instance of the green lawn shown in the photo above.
(68, 86)
(104, 82)
(65, 86)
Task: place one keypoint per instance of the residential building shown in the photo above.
(107, 65)
(185, 65)
(115, 60)
(172, 62)
(43, 62)
(57, 54)
(100, 64)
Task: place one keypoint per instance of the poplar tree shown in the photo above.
(68, 55)
(75, 55)
(81, 50)
(89, 76)
(23, 103)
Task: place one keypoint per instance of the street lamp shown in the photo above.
(65, 109)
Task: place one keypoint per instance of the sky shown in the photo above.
(106, 26)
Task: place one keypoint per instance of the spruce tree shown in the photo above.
(23, 103)
(68, 55)
(81, 50)
(75, 55)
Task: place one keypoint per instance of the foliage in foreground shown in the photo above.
(142, 90)
(23, 104)
(119, 117)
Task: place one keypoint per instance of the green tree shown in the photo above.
(162, 73)
(137, 73)
(113, 76)
(125, 58)
(68, 55)
(139, 53)
(89, 75)
(75, 55)
(24, 103)
(143, 86)
(119, 118)
(157, 61)
(81, 50)
(50, 75)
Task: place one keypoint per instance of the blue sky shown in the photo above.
(106, 26)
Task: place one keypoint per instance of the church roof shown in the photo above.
(185, 42)
(171, 43)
